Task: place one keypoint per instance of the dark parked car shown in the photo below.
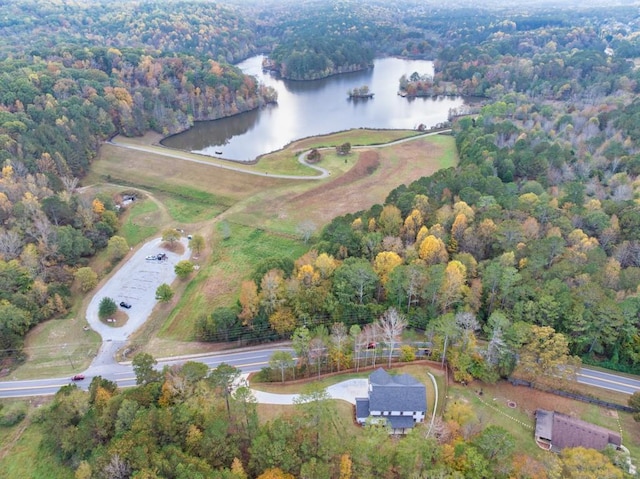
(77, 377)
(123, 304)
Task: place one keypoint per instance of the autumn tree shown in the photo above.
(545, 356)
(453, 285)
(275, 473)
(583, 463)
(283, 320)
(390, 220)
(433, 250)
(385, 263)
(87, 278)
(271, 290)
(117, 248)
(339, 337)
(250, 303)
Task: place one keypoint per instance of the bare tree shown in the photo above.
(317, 351)
(10, 245)
(391, 325)
(70, 183)
(306, 230)
(468, 325)
(117, 468)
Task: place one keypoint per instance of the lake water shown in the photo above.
(309, 108)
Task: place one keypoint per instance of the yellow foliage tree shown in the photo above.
(462, 208)
(83, 471)
(385, 263)
(249, 301)
(275, 473)
(390, 220)
(432, 250)
(459, 226)
(237, 469)
(583, 463)
(326, 265)
(307, 275)
(345, 466)
(453, 285)
(421, 235)
(193, 439)
(283, 321)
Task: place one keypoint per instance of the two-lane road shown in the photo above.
(611, 381)
(248, 360)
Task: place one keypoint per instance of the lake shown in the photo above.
(310, 108)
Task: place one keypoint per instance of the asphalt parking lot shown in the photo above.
(135, 283)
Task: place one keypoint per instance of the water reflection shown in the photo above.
(309, 108)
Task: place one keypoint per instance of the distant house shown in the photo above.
(556, 431)
(401, 401)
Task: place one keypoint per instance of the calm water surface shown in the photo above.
(309, 108)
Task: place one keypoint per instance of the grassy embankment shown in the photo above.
(262, 212)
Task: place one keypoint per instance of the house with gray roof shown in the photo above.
(400, 401)
(556, 431)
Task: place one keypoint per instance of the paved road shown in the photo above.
(609, 381)
(248, 360)
(160, 150)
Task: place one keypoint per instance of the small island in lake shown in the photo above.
(361, 92)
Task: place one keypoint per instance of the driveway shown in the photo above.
(135, 283)
(346, 390)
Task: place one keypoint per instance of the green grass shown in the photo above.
(490, 412)
(188, 210)
(450, 156)
(231, 261)
(25, 458)
(285, 161)
(58, 348)
(133, 229)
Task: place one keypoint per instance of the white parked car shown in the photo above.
(153, 256)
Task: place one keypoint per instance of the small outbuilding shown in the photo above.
(556, 431)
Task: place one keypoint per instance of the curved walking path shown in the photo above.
(324, 173)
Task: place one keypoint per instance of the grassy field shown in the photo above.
(20, 454)
(262, 212)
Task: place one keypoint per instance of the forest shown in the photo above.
(184, 424)
(533, 238)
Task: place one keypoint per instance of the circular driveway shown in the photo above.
(134, 283)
